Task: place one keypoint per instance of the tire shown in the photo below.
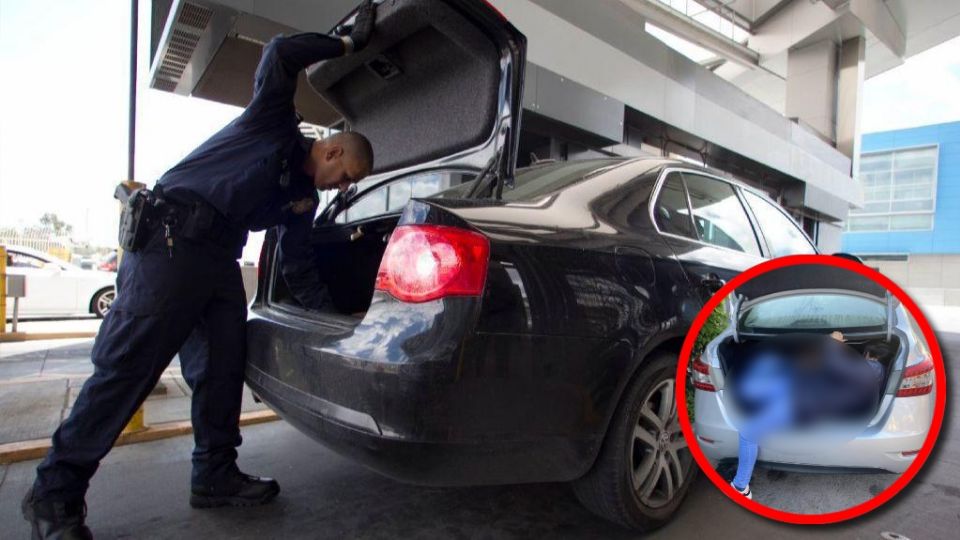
(635, 443)
(100, 305)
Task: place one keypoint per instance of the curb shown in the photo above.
(10, 337)
(37, 448)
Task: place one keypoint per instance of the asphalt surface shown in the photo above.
(141, 491)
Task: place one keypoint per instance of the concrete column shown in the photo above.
(558, 149)
(812, 86)
(850, 97)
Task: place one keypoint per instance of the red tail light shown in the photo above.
(701, 376)
(917, 379)
(426, 262)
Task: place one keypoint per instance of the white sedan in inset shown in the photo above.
(798, 301)
(57, 288)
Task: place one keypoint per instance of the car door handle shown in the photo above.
(357, 234)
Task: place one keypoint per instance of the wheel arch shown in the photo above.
(664, 343)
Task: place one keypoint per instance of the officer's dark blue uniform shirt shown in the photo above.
(252, 169)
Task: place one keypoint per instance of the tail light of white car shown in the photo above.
(917, 379)
(426, 262)
(701, 376)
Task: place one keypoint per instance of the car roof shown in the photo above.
(663, 163)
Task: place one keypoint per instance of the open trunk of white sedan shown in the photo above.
(732, 356)
(791, 309)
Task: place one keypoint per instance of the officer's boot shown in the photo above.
(55, 520)
(238, 489)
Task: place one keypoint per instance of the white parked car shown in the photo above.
(57, 288)
(820, 300)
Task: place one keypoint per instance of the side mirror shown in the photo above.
(849, 256)
(349, 193)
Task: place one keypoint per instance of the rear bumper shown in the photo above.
(402, 394)
(889, 446)
(356, 435)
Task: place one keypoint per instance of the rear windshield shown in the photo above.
(538, 180)
(815, 312)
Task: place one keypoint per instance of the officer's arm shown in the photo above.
(297, 264)
(276, 80)
(284, 58)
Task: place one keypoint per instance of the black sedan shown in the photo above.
(528, 339)
(492, 325)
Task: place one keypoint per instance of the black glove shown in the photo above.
(359, 32)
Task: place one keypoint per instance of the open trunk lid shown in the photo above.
(439, 83)
(805, 280)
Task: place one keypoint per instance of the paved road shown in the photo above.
(141, 492)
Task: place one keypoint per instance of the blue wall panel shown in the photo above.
(945, 236)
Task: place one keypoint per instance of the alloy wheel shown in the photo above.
(104, 301)
(659, 457)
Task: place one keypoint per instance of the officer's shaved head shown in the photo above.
(356, 145)
(339, 160)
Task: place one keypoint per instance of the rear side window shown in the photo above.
(671, 212)
(718, 216)
(782, 234)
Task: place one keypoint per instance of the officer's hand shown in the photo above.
(363, 25)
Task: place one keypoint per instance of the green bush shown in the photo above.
(716, 323)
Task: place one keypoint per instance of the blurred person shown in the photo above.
(801, 382)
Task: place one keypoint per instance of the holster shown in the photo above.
(139, 218)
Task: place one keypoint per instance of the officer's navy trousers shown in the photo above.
(192, 302)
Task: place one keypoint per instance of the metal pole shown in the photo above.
(16, 312)
(136, 422)
(132, 120)
(3, 289)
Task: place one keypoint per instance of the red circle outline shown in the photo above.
(892, 489)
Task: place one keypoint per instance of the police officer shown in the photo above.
(183, 291)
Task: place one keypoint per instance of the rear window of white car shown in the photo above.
(815, 312)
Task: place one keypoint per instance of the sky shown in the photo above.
(63, 111)
(63, 114)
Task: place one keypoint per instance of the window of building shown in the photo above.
(718, 17)
(899, 191)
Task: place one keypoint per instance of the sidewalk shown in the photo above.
(39, 381)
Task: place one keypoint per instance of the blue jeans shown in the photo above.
(767, 384)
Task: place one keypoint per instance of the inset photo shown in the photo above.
(811, 389)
